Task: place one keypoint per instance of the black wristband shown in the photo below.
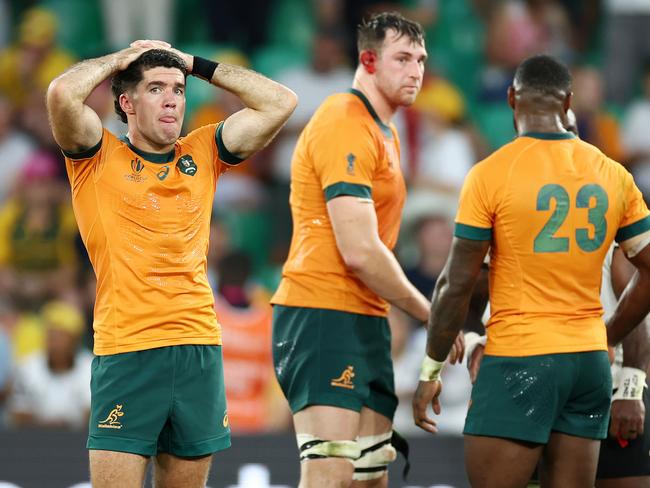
(204, 68)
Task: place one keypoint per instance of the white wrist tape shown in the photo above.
(630, 385)
(430, 369)
(472, 339)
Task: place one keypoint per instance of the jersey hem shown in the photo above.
(143, 346)
(492, 350)
(327, 306)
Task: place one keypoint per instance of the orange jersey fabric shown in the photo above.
(145, 220)
(551, 205)
(247, 363)
(344, 150)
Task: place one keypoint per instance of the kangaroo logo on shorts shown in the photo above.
(112, 422)
(186, 165)
(225, 420)
(345, 380)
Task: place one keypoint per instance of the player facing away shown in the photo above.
(548, 206)
(331, 341)
(143, 204)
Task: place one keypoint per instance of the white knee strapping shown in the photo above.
(376, 453)
(311, 447)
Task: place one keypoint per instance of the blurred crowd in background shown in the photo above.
(46, 282)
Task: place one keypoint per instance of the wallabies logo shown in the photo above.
(186, 165)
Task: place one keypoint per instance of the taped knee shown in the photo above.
(311, 447)
(376, 453)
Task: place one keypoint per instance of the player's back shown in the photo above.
(554, 204)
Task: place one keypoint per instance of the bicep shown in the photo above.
(354, 222)
(248, 131)
(75, 126)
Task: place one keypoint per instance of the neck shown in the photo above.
(145, 144)
(366, 85)
(547, 123)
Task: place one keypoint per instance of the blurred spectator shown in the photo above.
(635, 137)
(5, 23)
(51, 388)
(627, 46)
(517, 29)
(37, 236)
(6, 355)
(15, 148)
(238, 23)
(255, 402)
(445, 152)
(34, 59)
(595, 124)
(329, 72)
(128, 20)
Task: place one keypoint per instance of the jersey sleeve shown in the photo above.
(636, 216)
(475, 217)
(345, 155)
(81, 166)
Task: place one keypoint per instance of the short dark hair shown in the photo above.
(127, 79)
(372, 32)
(543, 73)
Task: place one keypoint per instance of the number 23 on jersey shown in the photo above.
(591, 197)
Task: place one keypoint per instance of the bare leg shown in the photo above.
(493, 462)
(176, 472)
(569, 462)
(332, 424)
(373, 423)
(109, 469)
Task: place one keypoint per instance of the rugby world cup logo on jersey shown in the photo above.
(112, 421)
(186, 165)
(136, 169)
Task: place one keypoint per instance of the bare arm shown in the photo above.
(636, 345)
(357, 237)
(448, 312)
(452, 295)
(634, 304)
(75, 125)
(268, 107)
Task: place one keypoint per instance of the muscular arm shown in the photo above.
(636, 345)
(634, 303)
(452, 295)
(357, 237)
(75, 125)
(268, 106)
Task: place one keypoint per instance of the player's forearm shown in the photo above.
(636, 347)
(632, 308)
(256, 91)
(380, 271)
(448, 313)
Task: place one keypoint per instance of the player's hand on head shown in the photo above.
(627, 417)
(151, 44)
(427, 392)
(474, 361)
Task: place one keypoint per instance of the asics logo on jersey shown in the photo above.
(112, 421)
(351, 159)
(345, 380)
(186, 165)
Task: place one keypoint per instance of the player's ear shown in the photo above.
(511, 97)
(126, 103)
(368, 58)
(567, 102)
